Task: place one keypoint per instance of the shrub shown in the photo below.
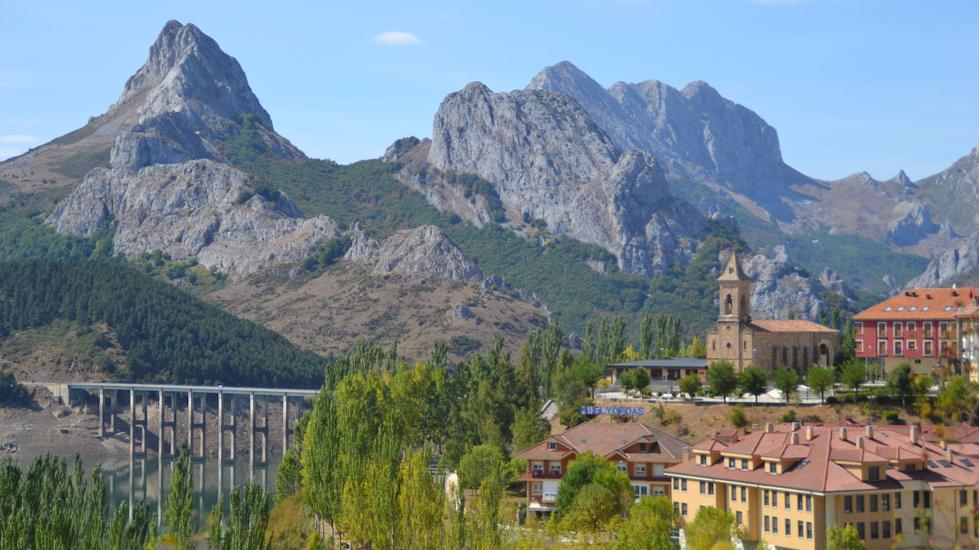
(737, 417)
(12, 392)
(892, 417)
(789, 416)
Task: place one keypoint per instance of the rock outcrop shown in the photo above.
(959, 262)
(423, 250)
(166, 188)
(913, 224)
(199, 210)
(185, 101)
(426, 251)
(694, 132)
(548, 161)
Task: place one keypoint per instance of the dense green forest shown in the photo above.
(552, 267)
(167, 334)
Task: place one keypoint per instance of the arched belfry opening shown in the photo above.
(728, 304)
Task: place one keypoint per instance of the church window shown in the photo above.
(729, 345)
(728, 304)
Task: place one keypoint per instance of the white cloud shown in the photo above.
(397, 38)
(17, 138)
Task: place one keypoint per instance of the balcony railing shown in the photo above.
(545, 475)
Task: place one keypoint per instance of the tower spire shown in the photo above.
(732, 269)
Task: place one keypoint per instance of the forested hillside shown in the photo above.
(167, 334)
(552, 267)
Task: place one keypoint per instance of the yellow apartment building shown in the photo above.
(788, 484)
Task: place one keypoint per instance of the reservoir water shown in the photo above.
(146, 479)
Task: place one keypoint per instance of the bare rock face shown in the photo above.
(165, 188)
(913, 224)
(198, 209)
(186, 99)
(421, 251)
(779, 290)
(694, 132)
(549, 161)
(960, 261)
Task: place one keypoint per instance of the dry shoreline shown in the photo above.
(49, 427)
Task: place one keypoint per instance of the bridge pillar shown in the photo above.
(220, 439)
(112, 411)
(132, 433)
(251, 432)
(144, 422)
(101, 412)
(264, 430)
(202, 426)
(233, 449)
(190, 423)
(285, 423)
(159, 423)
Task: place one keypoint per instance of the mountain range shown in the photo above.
(557, 202)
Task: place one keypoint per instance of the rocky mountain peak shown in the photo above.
(548, 160)
(563, 77)
(902, 179)
(185, 64)
(701, 90)
(187, 99)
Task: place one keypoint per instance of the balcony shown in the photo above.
(541, 474)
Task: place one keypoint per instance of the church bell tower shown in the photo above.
(735, 292)
(731, 340)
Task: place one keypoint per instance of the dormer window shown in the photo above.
(551, 446)
(642, 447)
(873, 473)
(731, 463)
(703, 460)
(744, 464)
(773, 467)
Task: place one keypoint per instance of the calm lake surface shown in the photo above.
(146, 479)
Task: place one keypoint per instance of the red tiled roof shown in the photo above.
(790, 325)
(710, 445)
(818, 459)
(921, 303)
(605, 439)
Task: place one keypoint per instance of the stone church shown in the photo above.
(768, 344)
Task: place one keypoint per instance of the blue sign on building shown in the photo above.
(617, 411)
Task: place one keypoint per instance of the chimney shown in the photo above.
(794, 438)
(860, 442)
(769, 427)
(843, 432)
(809, 433)
(949, 455)
(914, 434)
(870, 432)
(943, 444)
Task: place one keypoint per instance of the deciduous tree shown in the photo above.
(786, 380)
(722, 379)
(753, 381)
(820, 379)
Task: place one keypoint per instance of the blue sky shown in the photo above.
(850, 85)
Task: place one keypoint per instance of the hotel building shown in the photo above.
(642, 452)
(787, 485)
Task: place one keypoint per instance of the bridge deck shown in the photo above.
(227, 390)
